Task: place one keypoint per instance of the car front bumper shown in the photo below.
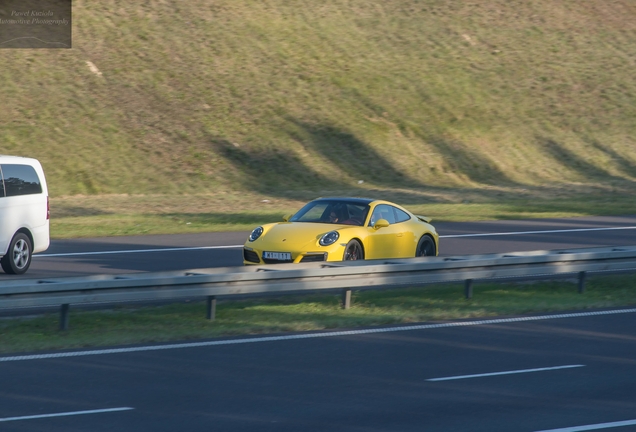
(253, 256)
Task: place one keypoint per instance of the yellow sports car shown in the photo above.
(337, 229)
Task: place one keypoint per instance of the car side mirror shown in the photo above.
(286, 218)
(382, 223)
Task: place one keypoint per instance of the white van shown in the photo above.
(24, 212)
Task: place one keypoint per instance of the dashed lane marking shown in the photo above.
(520, 371)
(64, 414)
(594, 426)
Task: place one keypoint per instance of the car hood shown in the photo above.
(297, 235)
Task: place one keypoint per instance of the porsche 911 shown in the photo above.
(342, 229)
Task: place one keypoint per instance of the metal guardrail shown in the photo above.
(211, 283)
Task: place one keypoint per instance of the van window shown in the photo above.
(20, 180)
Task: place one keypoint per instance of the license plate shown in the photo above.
(282, 256)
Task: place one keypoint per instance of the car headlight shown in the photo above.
(329, 238)
(256, 233)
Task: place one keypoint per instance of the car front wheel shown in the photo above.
(18, 258)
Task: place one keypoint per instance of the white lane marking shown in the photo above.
(64, 414)
(505, 373)
(311, 335)
(181, 249)
(593, 426)
(539, 232)
(135, 251)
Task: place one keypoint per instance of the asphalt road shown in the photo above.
(549, 373)
(117, 255)
(533, 375)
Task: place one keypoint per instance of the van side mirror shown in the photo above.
(286, 218)
(382, 223)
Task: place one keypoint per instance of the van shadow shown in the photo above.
(61, 211)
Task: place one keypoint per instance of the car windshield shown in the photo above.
(332, 212)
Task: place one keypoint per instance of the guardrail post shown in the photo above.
(346, 299)
(581, 282)
(64, 317)
(468, 288)
(211, 308)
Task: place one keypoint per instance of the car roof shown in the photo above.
(16, 159)
(364, 201)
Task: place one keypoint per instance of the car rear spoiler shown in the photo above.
(424, 218)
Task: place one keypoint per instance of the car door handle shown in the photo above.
(399, 234)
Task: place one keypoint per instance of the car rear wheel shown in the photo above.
(18, 257)
(353, 251)
(426, 247)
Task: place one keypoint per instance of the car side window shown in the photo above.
(401, 216)
(1, 184)
(20, 180)
(382, 211)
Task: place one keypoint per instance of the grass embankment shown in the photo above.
(178, 322)
(434, 103)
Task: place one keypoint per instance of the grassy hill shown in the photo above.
(428, 102)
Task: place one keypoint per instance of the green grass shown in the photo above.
(223, 115)
(184, 321)
(433, 102)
